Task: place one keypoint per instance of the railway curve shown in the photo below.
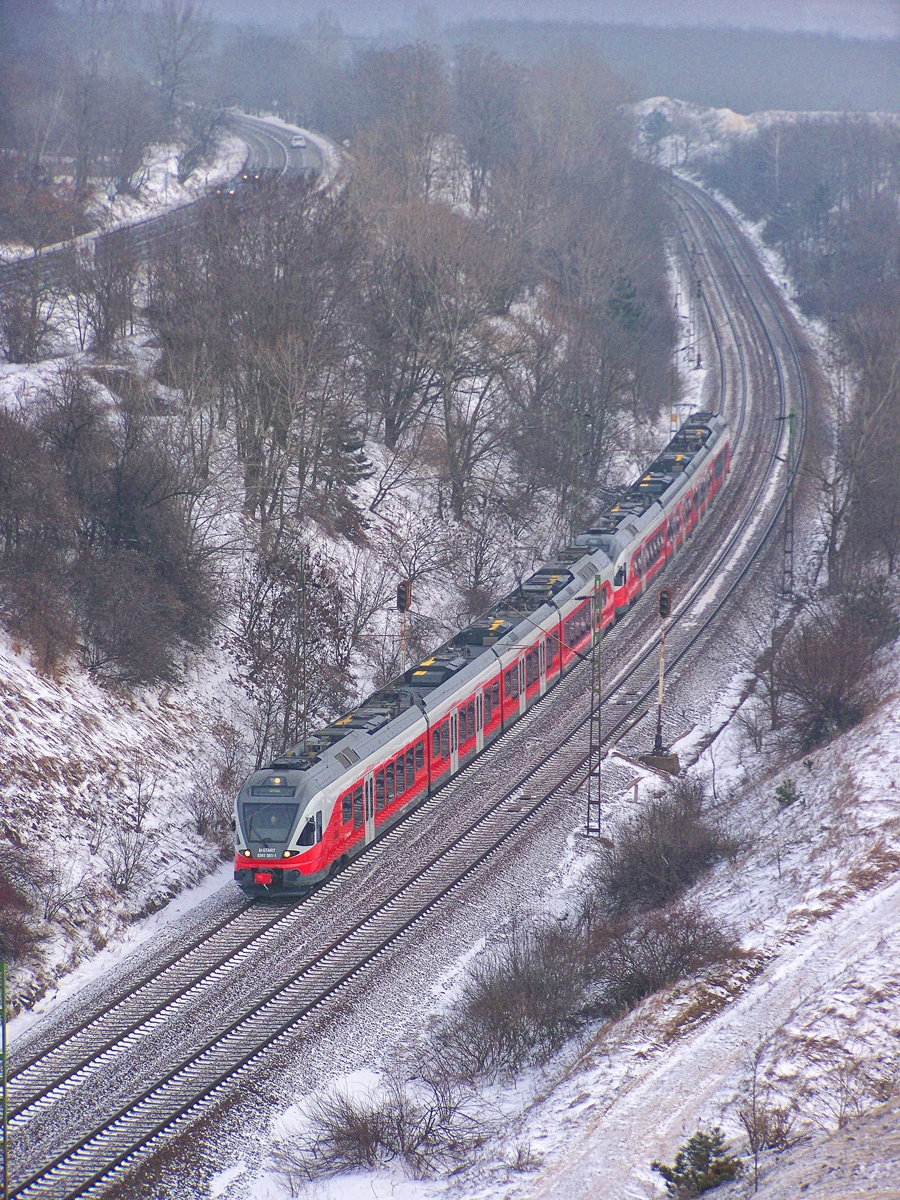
(93, 1096)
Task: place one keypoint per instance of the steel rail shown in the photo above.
(127, 1115)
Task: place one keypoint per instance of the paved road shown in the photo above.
(269, 149)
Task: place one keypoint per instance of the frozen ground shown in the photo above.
(813, 899)
(811, 1007)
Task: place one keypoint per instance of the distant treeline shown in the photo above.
(747, 70)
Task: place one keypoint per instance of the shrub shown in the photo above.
(823, 672)
(18, 872)
(430, 1130)
(522, 1001)
(657, 949)
(701, 1164)
(663, 851)
(519, 1004)
(786, 793)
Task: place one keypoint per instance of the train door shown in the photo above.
(454, 749)
(479, 722)
(369, 806)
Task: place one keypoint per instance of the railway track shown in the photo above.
(219, 1010)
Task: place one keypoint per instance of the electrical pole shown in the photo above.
(304, 696)
(787, 566)
(595, 731)
(664, 608)
(404, 599)
(5, 1097)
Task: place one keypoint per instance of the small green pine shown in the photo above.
(703, 1162)
(786, 793)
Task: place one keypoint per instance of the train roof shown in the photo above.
(343, 742)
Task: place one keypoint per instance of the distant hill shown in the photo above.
(747, 70)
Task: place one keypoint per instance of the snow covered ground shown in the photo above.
(814, 899)
(811, 1010)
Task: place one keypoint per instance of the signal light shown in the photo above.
(664, 603)
(404, 595)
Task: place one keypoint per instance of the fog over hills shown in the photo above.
(849, 18)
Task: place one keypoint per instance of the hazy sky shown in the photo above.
(851, 18)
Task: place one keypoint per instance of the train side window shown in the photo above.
(436, 743)
(308, 833)
(379, 790)
(319, 825)
(515, 681)
(528, 669)
(357, 807)
(401, 774)
(495, 692)
(487, 705)
(471, 707)
(445, 739)
(389, 778)
(420, 754)
(463, 725)
(507, 684)
(346, 808)
(620, 576)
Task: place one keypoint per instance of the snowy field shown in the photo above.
(813, 899)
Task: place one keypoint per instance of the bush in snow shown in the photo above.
(652, 952)
(660, 853)
(824, 674)
(526, 997)
(701, 1164)
(519, 1003)
(429, 1129)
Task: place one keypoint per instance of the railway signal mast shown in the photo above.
(404, 596)
(595, 738)
(664, 607)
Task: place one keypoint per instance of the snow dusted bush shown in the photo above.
(519, 1004)
(430, 1128)
(824, 672)
(663, 851)
(531, 993)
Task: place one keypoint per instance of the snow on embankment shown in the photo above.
(814, 900)
(79, 764)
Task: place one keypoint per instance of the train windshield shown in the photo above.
(269, 822)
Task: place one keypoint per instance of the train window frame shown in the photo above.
(400, 772)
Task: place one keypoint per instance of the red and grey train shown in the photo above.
(316, 806)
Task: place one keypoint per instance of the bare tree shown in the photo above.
(178, 34)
